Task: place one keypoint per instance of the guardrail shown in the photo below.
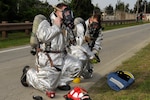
(27, 26)
(4, 27)
(116, 22)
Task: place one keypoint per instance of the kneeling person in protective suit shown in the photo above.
(55, 68)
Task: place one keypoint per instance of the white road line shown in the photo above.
(4, 51)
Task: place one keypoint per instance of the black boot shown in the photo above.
(64, 87)
(23, 77)
(37, 98)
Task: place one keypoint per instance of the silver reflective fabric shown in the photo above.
(83, 54)
(45, 80)
(47, 77)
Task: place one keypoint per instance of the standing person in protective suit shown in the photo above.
(88, 39)
(55, 68)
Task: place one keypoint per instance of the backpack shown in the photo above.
(120, 80)
(37, 20)
(79, 20)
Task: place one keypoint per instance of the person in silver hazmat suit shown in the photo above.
(89, 43)
(93, 33)
(55, 68)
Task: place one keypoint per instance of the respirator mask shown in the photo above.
(94, 28)
(68, 18)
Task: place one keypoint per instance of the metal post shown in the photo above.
(4, 33)
(137, 11)
(27, 30)
(145, 7)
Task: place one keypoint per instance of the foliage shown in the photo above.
(148, 7)
(120, 6)
(109, 10)
(8, 7)
(97, 10)
(14, 39)
(82, 8)
(22, 10)
(127, 8)
(141, 6)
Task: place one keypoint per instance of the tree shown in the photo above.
(148, 7)
(8, 9)
(22, 10)
(97, 10)
(109, 10)
(82, 8)
(3, 8)
(29, 8)
(138, 7)
(127, 8)
(120, 6)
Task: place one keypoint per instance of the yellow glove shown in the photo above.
(95, 60)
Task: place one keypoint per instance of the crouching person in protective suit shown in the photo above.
(93, 35)
(88, 40)
(81, 50)
(55, 68)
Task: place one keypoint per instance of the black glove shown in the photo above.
(33, 52)
(37, 98)
(97, 58)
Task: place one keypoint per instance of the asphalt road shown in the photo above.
(118, 45)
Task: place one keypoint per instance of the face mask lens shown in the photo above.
(68, 17)
(67, 13)
(93, 28)
(94, 25)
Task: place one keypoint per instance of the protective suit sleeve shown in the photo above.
(46, 33)
(98, 42)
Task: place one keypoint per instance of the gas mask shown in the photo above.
(68, 18)
(93, 29)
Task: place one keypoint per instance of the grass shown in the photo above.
(122, 25)
(139, 66)
(14, 39)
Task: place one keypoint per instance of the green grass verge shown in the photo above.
(14, 39)
(123, 25)
(139, 66)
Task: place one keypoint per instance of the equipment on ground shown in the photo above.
(77, 80)
(77, 93)
(120, 80)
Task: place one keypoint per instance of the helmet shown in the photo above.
(77, 94)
